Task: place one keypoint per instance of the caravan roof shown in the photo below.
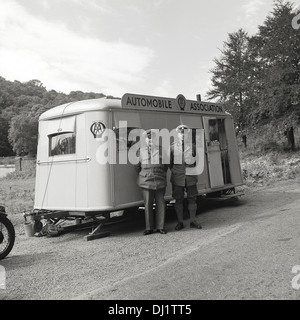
(138, 102)
(81, 106)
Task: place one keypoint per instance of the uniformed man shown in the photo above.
(152, 180)
(181, 180)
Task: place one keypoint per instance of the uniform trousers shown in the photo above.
(178, 195)
(160, 208)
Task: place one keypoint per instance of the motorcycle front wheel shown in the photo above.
(7, 236)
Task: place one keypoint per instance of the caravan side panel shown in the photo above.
(99, 188)
(56, 164)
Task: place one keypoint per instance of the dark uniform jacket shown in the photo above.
(151, 175)
(179, 176)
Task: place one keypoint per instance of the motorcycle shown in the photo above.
(7, 234)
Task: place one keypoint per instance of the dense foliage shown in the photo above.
(21, 104)
(258, 77)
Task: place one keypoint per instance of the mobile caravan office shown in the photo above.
(71, 179)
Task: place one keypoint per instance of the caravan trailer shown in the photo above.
(72, 181)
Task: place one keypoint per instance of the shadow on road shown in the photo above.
(136, 222)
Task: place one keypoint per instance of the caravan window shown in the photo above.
(62, 143)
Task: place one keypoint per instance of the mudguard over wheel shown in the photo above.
(7, 236)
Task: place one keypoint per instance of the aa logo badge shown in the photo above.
(181, 101)
(97, 129)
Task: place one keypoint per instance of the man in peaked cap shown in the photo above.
(152, 180)
(181, 128)
(181, 181)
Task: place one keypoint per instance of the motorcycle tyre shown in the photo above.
(11, 232)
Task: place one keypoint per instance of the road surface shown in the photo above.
(244, 251)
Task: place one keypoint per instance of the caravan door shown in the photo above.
(217, 151)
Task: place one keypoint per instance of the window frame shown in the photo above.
(71, 147)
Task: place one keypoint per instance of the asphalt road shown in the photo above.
(244, 251)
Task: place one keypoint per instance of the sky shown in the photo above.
(150, 47)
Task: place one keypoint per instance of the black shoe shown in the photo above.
(179, 226)
(146, 232)
(195, 225)
(162, 231)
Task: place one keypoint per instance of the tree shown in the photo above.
(5, 147)
(21, 104)
(23, 133)
(258, 77)
(279, 49)
(234, 76)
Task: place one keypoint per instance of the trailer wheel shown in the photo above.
(7, 236)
